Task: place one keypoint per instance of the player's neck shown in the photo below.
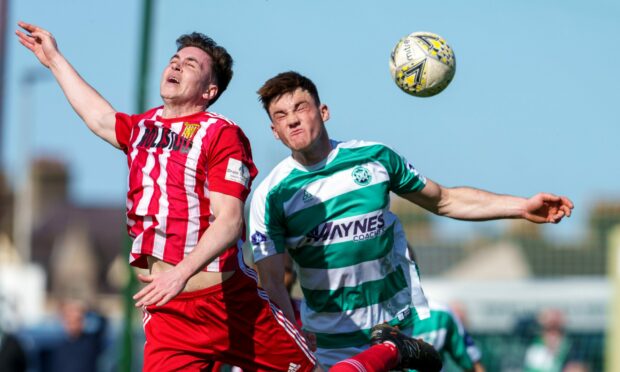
(177, 111)
(315, 153)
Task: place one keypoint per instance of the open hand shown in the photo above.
(40, 42)
(161, 288)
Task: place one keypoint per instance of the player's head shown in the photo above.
(551, 320)
(297, 115)
(200, 70)
(286, 82)
(72, 312)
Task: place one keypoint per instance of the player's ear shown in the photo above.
(275, 133)
(324, 112)
(210, 92)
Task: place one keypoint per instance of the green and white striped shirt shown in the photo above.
(350, 250)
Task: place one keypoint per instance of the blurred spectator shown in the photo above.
(84, 338)
(12, 356)
(576, 366)
(551, 350)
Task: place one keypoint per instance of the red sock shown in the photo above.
(378, 358)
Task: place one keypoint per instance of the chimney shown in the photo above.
(50, 187)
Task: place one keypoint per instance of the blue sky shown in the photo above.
(533, 106)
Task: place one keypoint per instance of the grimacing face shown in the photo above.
(187, 79)
(297, 120)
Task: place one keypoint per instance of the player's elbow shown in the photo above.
(237, 226)
(232, 223)
(439, 206)
(445, 205)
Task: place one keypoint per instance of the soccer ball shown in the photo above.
(422, 64)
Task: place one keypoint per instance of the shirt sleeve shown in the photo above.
(267, 229)
(230, 168)
(124, 123)
(404, 177)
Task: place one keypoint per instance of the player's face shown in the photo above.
(297, 120)
(188, 78)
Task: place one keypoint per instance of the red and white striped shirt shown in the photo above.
(173, 165)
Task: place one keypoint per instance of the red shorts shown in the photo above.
(232, 322)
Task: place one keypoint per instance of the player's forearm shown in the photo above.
(221, 234)
(465, 203)
(93, 109)
(278, 295)
(271, 273)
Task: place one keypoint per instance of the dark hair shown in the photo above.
(286, 82)
(222, 61)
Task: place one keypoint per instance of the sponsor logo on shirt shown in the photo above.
(258, 237)
(236, 171)
(362, 229)
(361, 175)
(293, 367)
(164, 138)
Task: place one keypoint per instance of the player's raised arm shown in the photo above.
(94, 110)
(466, 203)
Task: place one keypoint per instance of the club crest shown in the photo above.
(361, 176)
(189, 129)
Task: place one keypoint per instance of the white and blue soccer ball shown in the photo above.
(422, 64)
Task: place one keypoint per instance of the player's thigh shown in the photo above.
(262, 339)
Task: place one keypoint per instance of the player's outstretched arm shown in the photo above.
(94, 110)
(466, 203)
(222, 233)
